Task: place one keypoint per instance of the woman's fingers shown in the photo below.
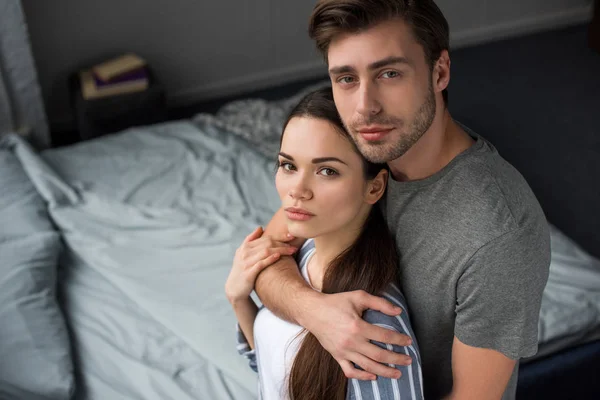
(266, 242)
(255, 234)
(264, 263)
(262, 254)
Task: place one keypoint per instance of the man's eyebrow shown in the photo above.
(389, 61)
(314, 160)
(344, 69)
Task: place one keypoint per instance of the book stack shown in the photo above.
(124, 74)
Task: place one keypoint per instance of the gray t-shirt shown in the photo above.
(474, 250)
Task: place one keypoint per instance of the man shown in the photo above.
(473, 241)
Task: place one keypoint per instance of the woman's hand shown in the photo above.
(255, 254)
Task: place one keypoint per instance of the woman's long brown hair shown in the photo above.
(369, 264)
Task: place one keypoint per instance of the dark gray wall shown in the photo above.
(203, 49)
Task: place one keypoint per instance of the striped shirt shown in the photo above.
(276, 344)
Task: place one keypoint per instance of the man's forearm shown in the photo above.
(284, 292)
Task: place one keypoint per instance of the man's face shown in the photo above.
(382, 86)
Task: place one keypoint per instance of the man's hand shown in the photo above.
(336, 321)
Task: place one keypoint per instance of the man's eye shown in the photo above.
(390, 74)
(328, 172)
(346, 80)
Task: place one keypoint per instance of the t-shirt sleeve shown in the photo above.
(500, 291)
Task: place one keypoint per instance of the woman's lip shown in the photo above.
(298, 216)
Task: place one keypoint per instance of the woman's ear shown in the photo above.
(376, 187)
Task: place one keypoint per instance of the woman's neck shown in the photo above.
(327, 248)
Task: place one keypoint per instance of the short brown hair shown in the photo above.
(332, 17)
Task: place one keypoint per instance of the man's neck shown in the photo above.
(443, 141)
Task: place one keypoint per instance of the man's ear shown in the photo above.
(376, 187)
(441, 72)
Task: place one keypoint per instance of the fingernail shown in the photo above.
(289, 235)
(409, 361)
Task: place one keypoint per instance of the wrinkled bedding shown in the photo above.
(151, 218)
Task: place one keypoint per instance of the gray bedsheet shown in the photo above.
(151, 219)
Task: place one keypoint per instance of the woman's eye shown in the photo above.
(286, 166)
(327, 172)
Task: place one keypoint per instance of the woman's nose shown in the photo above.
(300, 192)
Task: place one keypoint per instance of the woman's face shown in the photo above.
(320, 180)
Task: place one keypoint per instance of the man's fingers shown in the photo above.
(376, 368)
(382, 355)
(255, 234)
(379, 304)
(354, 373)
(387, 336)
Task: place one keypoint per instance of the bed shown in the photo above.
(127, 240)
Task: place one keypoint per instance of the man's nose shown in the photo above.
(368, 104)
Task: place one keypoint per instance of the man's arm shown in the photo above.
(335, 319)
(478, 374)
(280, 287)
(498, 303)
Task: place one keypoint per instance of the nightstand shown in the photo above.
(97, 117)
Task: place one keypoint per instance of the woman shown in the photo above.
(329, 192)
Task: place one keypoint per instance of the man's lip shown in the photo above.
(374, 129)
(298, 211)
(374, 136)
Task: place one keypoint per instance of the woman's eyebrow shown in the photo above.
(314, 160)
(327, 159)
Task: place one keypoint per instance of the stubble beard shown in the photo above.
(387, 150)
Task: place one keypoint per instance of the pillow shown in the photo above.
(35, 356)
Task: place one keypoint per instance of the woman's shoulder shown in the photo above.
(400, 323)
(307, 248)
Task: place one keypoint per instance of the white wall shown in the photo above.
(202, 49)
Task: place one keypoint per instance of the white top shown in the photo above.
(277, 341)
